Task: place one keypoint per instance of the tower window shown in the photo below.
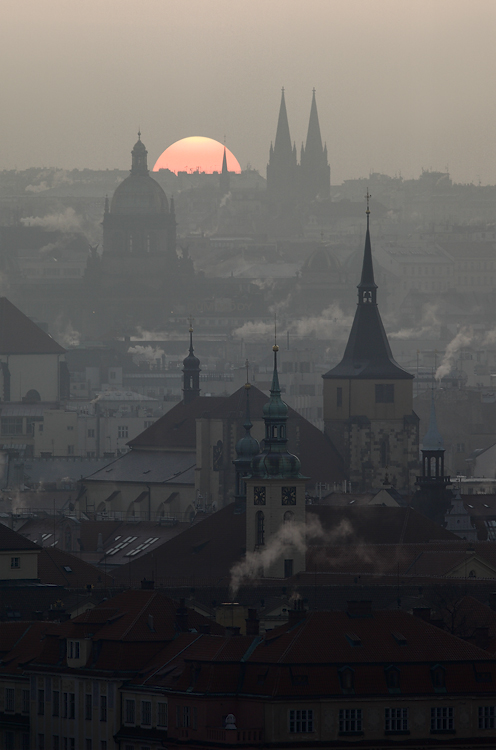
(384, 393)
(260, 528)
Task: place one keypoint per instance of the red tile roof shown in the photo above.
(19, 335)
(55, 566)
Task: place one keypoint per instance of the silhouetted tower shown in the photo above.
(246, 449)
(433, 498)
(282, 169)
(224, 178)
(368, 398)
(191, 372)
(275, 489)
(315, 172)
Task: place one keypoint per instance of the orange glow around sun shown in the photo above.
(196, 154)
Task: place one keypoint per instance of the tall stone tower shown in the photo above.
(368, 399)
(246, 449)
(315, 172)
(282, 169)
(275, 492)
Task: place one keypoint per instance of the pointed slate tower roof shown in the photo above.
(282, 144)
(314, 139)
(368, 354)
(433, 440)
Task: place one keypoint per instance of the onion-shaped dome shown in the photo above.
(272, 464)
(191, 362)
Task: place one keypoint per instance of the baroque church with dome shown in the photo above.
(139, 266)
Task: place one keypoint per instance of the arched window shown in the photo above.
(288, 516)
(260, 528)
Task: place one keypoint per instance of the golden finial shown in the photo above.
(191, 321)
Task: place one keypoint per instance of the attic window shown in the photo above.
(346, 679)
(399, 638)
(353, 639)
(147, 471)
(470, 506)
(107, 470)
(485, 505)
(67, 568)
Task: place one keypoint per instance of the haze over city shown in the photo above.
(247, 375)
(401, 86)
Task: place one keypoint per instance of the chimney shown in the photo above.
(297, 613)
(232, 630)
(252, 623)
(424, 613)
(182, 616)
(147, 585)
(360, 608)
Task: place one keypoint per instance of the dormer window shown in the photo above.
(73, 649)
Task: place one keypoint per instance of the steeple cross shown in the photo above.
(191, 321)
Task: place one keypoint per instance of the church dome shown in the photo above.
(321, 261)
(139, 194)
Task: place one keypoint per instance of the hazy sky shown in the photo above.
(400, 85)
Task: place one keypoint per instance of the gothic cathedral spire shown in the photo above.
(282, 169)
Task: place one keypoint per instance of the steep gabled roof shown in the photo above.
(19, 335)
(177, 430)
(55, 566)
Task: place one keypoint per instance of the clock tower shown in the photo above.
(275, 494)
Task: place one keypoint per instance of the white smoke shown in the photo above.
(40, 188)
(68, 221)
(65, 333)
(144, 335)
(224, 200)
(428, 326)
(146, 353)
(464, 337)
(289, 536)
(331, 323)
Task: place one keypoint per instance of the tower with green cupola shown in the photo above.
(275, 494)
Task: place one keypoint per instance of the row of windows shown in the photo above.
(146, 713)
(395, 719)
(68, 708)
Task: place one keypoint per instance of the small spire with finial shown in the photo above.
(275, 348)
(247, 384)
(191, 321)
(139, 134)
